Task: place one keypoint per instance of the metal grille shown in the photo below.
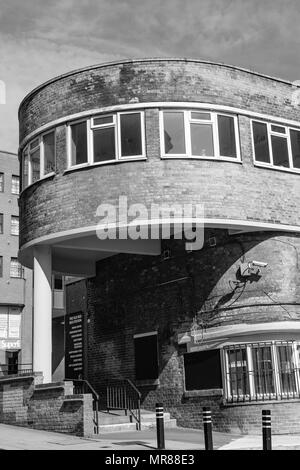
(262, 371)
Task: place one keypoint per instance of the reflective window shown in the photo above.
(49, 153)
(131, 137)
(261, 144)
(226, 132)
(104, 144)
(78, 143)
(1, 223)
(15, 184)
(277, 146)
(14, 230)
(1, 182)
(16, 269)
(202, 140)
(1, 266)
(174, 135)
(295, 143)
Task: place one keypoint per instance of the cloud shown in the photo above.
(39, 40)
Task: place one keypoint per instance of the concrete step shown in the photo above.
(169, 423)
(108, 428)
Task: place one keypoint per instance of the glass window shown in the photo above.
(104, 144)
(16, 269)
(287, 368)
(49, 153)
(1, 182)
(295, 143)
(226, 136)
(35, 165)
(280, 151)
(100, 121)
(14, 225)
(15, 184)
(174, 133)
(263, 370)
(200, 116)
(279, 129)
(202, 140)
(238, 372)
(1, 223)
(1, 266)
(58, 282)
(78, 143)
(131, 137)
(25, 172)
(261, 145)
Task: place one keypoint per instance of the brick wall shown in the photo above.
(227, 190)
(133, 294)
(25, 401)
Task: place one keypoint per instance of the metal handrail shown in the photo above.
(81, 390)
(125, 396)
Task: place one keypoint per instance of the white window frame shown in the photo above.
(188, 120)
(270, 132)
(14, 217)
(40, 146)
(116, 124)
(12, 184)
(254, 396)
(17, 267)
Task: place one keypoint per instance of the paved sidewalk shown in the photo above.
(18, 438)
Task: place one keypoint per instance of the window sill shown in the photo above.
(277, 168)
(147, 383)
(208, 159)
(212, 392)
(260, 401)
(108, 162)
(50, 175)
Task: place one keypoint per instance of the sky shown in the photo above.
(41, 39)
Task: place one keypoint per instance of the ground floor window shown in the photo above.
(146, 356)
(203, 370)
(264, 370)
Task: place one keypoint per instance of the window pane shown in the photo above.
(278, 129)
(280, 151)
(14, 225)
(174, 133)
(287, 369)
(261, 144)
(102, 120)
(238, 372)
(201, 116)
(49, 153)
(226, 136)
(78, 143)
(295, 142)
(16, 269)
(263, 370)
(15, 184)
(35, 165)
(1, 182)
(131, 137)
(104, 144)
(25, 170)
(202, 140)
(1, 266)
(1, 223)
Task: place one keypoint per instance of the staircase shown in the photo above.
(117, 421)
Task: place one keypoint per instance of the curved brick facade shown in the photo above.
(212, 290)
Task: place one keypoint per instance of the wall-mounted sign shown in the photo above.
(10, 322)
(7, 344)
(75, 345)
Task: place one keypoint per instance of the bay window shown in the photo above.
(262, 371)
(199, 134)
(276, 145)
(38, 159)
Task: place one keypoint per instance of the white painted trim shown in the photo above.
(212, 223)
(158, 104)
(141, 335)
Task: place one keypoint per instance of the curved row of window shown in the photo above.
(120, 136)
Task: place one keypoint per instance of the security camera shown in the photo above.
(259, 263)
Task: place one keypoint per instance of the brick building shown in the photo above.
(15, 280)
(216, 326)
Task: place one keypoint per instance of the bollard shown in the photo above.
(207, 424)
(266, 430)
(160, 426)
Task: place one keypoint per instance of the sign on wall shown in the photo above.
(10, 327)
(75, 345)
